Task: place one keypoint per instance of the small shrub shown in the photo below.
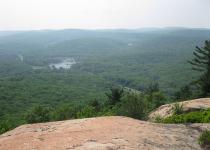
(133, 105)
(177, 109)
(204, 140)
(174, 119)
(159, 119)
(115, 95)
(191, 117)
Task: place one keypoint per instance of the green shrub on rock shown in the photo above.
(177, 109)
(133, 105)
(204, 140)
(191, 117)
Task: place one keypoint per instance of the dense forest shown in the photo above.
(63, 74)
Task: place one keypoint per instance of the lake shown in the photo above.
(64, 64)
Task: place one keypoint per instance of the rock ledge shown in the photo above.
(190, 105)
(103, 133)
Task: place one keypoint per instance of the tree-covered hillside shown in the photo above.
(128, 58)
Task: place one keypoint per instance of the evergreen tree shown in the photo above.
(201, 63)
(133, 105)
(115, 95)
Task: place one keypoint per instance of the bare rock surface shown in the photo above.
(190, 105)
(103, 133)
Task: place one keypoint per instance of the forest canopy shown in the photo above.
(66, 74)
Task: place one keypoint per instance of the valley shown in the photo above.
(60, 67)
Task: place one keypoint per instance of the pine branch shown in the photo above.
(207, 49)
(199, 57)
(196, 64)
(200, 61)
(198, 69)
(201, 51)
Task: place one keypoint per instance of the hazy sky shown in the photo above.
(58, 14)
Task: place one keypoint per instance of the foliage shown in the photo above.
(154, 100)
(204, 140)
(126, 59)
(96, 104)
(19, 93)
(5, 125)
(132, 105)
(191, 117)
(87, 112)
(38, 114)
(153, 87)
(184, 93)
(201, 63)
(64, 112)
(177, 109)
(158, 119)
(102, 62)
(115, 95)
